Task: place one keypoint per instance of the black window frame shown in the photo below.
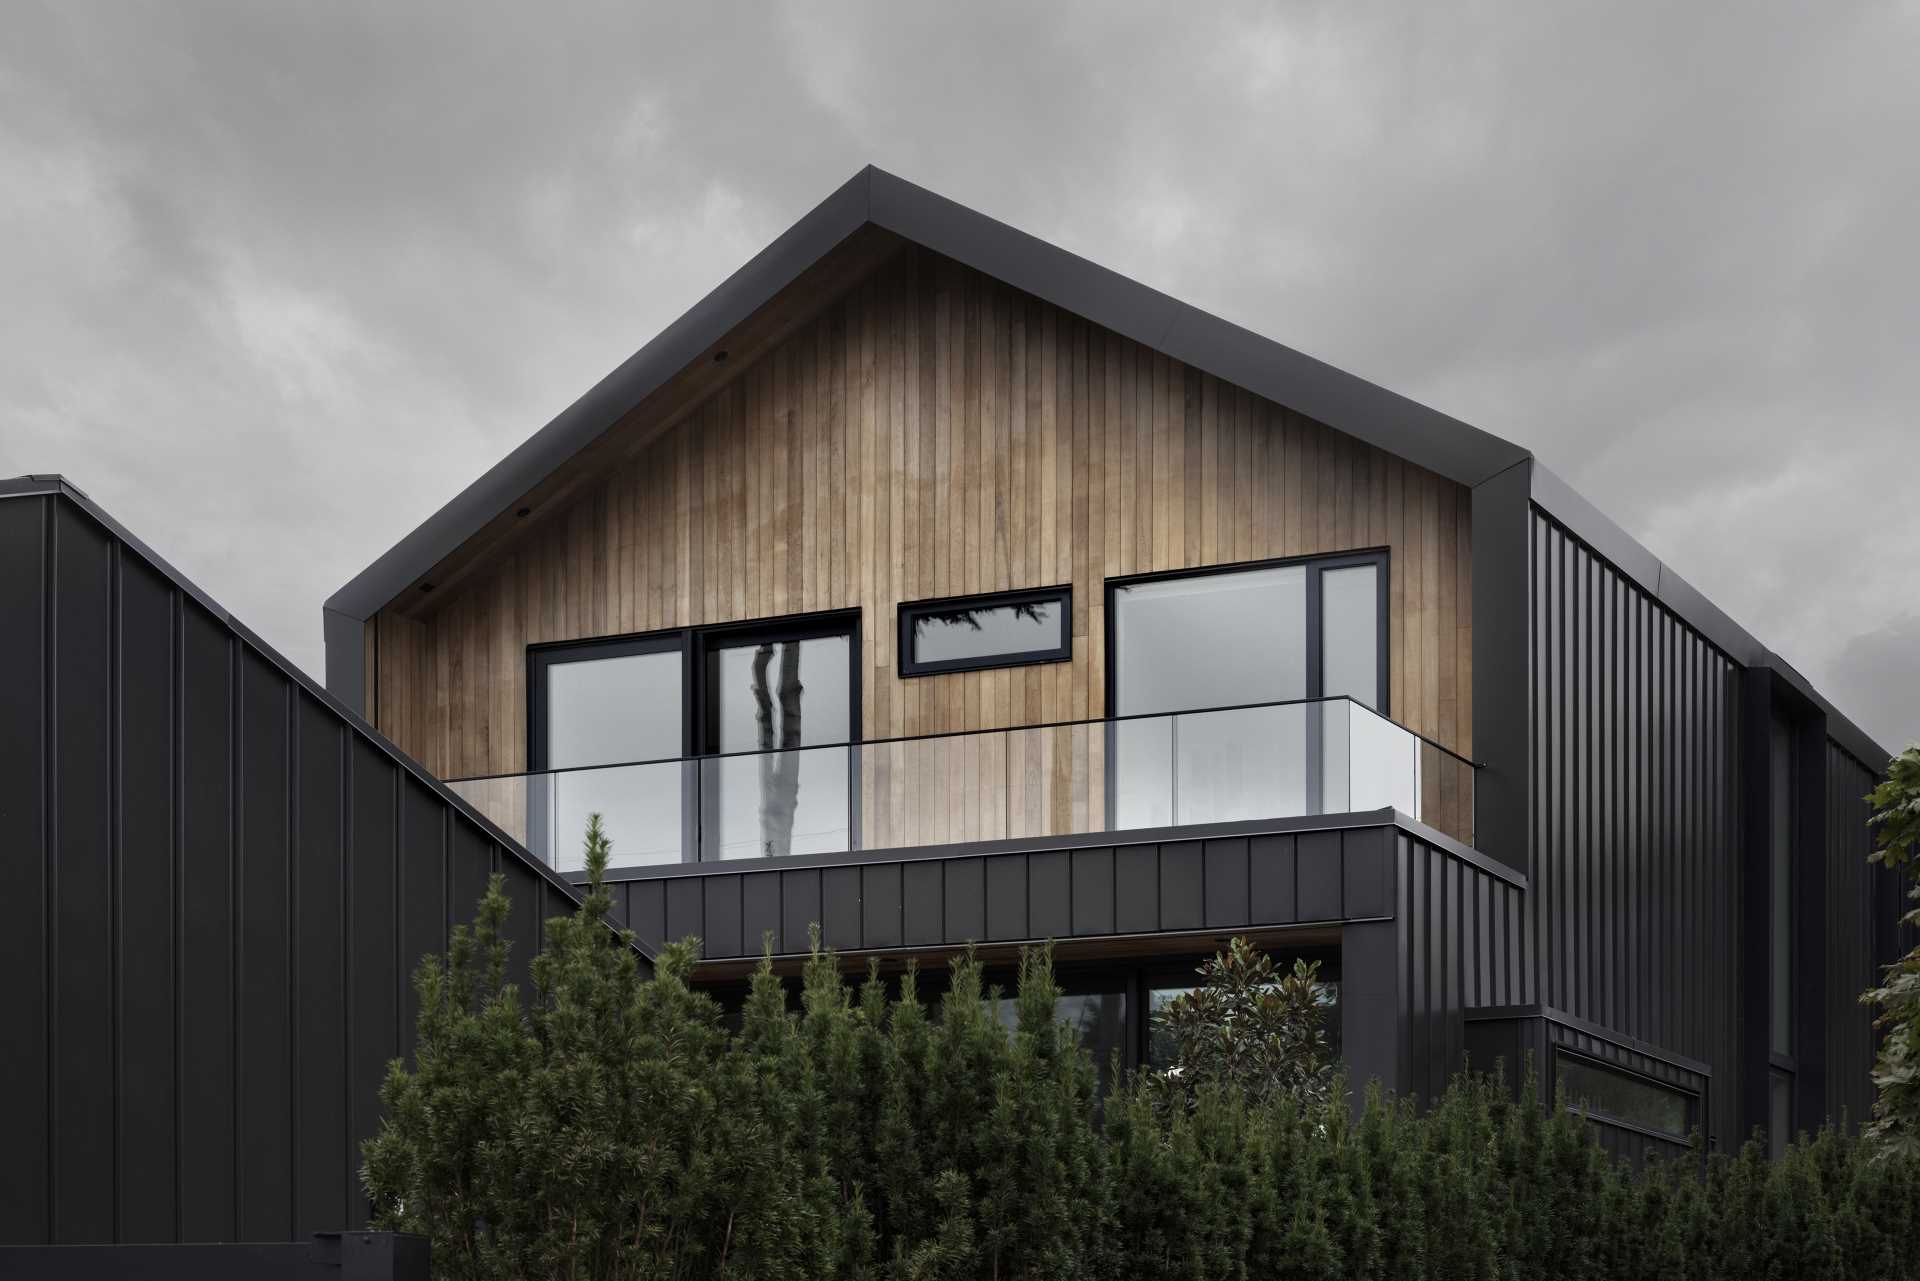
(704, 733)
(1694, 1100)
(542, 657)
(1378, 557)
(697, 717)
(910, 612)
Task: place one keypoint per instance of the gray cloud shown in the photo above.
(280, 281)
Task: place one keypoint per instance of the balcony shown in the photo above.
(1258, 761)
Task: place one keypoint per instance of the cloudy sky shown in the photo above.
(276, 281)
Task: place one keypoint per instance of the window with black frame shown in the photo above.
(1615, 1094)
(969, 633)
(720, 742)
(1256, 644)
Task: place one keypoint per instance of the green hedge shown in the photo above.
(612, 1127)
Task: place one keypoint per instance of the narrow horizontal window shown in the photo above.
(1004, 630)
(1616, 1095)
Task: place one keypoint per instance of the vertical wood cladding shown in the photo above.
(935, 433)
(213, 893)
(1634, 860)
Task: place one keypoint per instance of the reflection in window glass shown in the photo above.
(1097, 1019)
(778, 694)
(982, 632)
(1214, 640)
(772, 698)
(1623, 1096)
(1160, 1043)
(1350, 632)
(606, 711)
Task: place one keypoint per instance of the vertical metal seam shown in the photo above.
(50, 835)
(116, 686)
(236, 915)
(344, 799)
(176, 630)
(291, 908)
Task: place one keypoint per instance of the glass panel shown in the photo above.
(1781, 787)
(778, 695)
(1622, 1096)
(1097, 1019)
(1143, 772)
(602, 711)
(1350, 632)
(1214, 640)
(1160, 1044)
(989, 631)
(782, 694)
(1247, 763)
(1384, 761)
(639, 808)
(772, 804)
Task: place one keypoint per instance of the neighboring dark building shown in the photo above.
(929, 584)
(215, 882)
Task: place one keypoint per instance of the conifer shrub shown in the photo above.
(610, 1126)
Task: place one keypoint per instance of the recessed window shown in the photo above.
(1616, 1095)
(1004, 630)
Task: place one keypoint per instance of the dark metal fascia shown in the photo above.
(1588, 523)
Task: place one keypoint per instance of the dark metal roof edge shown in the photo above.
(1343, 401)
(59, 487)
(610, 399)
(1627, 554)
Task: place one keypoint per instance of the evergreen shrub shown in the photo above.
(610, 1126)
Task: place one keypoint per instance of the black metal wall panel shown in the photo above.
(264, 1055)
(1457, 922)
(1222, 883)
(214, 888)
(145, 1062)
(1634, 857)
(82, 921)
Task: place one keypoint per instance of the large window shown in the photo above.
(767, 706)
(1002, 630)
(1227, 639)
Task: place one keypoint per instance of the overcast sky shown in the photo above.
(277, 281)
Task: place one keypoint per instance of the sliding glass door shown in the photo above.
(612, 723)
(1206, 644)
(785, 697)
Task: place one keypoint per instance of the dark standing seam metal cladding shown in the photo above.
(215, 886)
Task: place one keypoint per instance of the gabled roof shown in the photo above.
(843, 235)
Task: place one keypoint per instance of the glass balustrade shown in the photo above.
(1274, 760)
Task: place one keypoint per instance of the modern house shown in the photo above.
(934, 585)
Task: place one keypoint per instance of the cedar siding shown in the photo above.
(933, 433)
